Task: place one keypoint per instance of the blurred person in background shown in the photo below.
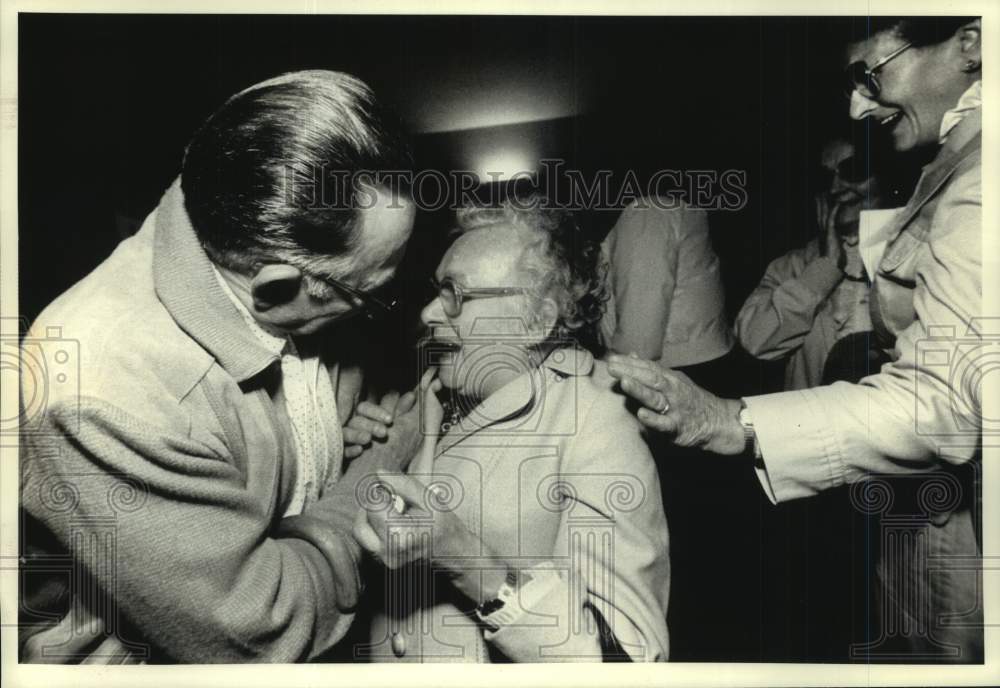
(813, 296)
(667, 304)
(666, 301)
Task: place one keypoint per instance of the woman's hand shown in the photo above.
(433, 414)
(677, 407)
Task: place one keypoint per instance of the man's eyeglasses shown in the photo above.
(453, 294)
(851, 170)
(864, 79)
(373, 307)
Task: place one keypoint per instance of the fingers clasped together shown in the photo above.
(407, 529)
(411, 528)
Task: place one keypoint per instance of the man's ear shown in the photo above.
(274, 285)
(969, 39)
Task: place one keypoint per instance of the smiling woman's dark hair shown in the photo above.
(920, 31)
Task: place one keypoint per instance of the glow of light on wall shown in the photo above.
(494, 100)
(505, 164)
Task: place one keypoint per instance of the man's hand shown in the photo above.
(79, 637)
(409, 498)
(449, 546)
(679, 408)
(401, 440)
(370, 421)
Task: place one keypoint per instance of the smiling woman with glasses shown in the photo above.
(859, 76)
(903, 79)
(913, 427)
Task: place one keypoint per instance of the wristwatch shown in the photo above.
(522, 590)
(751, 447)
(506, 598)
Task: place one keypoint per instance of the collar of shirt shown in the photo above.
(273, 343)
(308, 395)
(517, 398)
(970, 100)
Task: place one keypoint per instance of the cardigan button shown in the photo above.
(398, 645)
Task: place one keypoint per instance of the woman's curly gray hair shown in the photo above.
(567, 266)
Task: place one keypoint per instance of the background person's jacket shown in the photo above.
(667, 303)
(801, 307)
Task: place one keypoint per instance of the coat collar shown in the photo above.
(963, 141)
(186, 284)
(519, 398)
(970, 101)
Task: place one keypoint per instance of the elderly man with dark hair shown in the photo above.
(197, 476)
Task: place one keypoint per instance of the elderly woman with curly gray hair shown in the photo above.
(529, 527)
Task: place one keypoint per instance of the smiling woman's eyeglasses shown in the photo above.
(373, 307)
(864, 79)
(453, 294)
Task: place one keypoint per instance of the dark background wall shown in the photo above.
(107, 104)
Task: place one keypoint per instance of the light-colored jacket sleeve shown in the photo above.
(915, 412)
(193, 557)
(642, 251)
(777, 316)
(623, 569)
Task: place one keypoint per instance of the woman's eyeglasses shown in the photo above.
(453, 294)
(373, 307)
(864, 79)
(851, 170)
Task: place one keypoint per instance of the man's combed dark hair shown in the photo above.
(273, 173)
